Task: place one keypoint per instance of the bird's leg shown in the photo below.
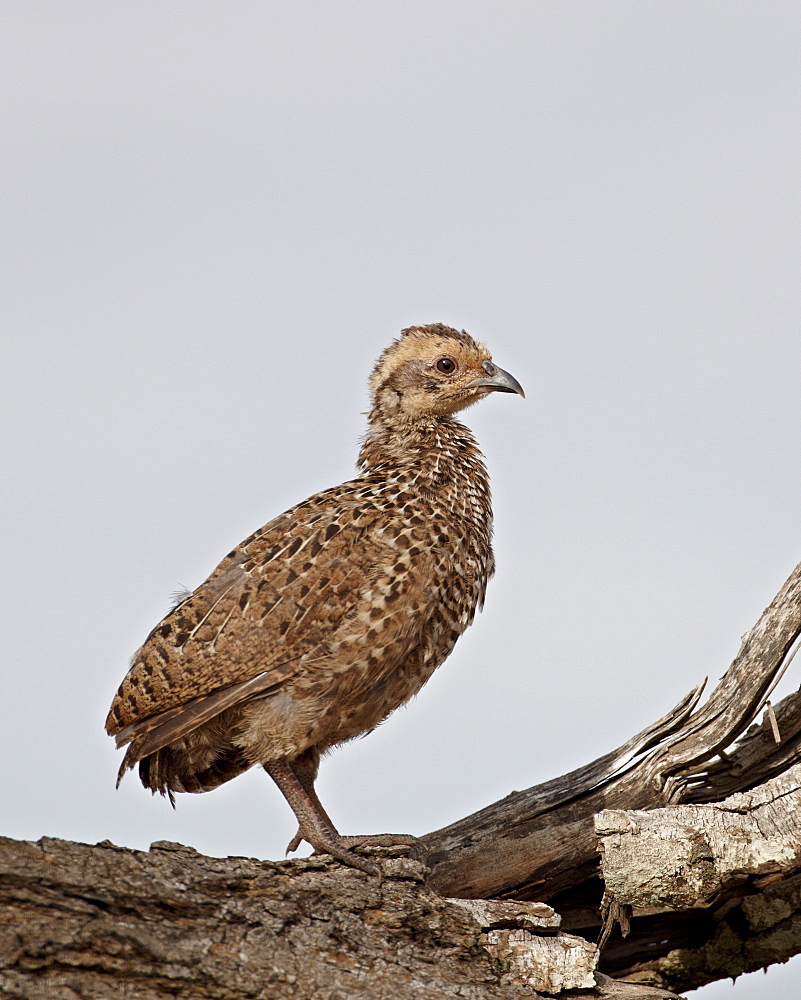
(306, 767)
(314, 825)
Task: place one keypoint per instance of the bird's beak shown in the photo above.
(499, 380)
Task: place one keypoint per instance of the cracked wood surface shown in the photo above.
(689, 856)
(734, 866)
(107, 923)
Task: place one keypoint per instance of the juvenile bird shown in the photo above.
(324, 621)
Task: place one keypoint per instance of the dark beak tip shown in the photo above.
(507, 383)
(501, 381)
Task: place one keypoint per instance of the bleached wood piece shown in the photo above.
(685, 857)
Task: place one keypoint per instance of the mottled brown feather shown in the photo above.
(272, 606)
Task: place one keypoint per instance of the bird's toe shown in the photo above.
(382, 840)
(327, 842)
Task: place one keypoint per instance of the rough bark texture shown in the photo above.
(101, 923)
(686, 856)
(678, 852)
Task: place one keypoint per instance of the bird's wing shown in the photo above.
(272, 606)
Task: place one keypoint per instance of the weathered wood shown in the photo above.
(728, 874)
(542, 844)
(757, 757)
(106, 923)
(763, 931)
(514, 847)
(695, 855)
(531, 844)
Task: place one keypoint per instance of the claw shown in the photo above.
(315, 826)
(338, 846)
(295, 843)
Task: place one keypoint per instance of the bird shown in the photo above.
(319, 625)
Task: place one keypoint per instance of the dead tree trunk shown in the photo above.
(680, 855)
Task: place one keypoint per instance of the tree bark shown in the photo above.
(106, 923)
(530, 844)
(732, 868)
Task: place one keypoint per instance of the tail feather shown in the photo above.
(166, 771)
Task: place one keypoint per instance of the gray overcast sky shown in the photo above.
(215, 216)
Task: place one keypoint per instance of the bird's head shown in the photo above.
(433, 371)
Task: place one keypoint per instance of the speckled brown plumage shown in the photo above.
(324, 621)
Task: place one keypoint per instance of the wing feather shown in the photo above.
(272, 605)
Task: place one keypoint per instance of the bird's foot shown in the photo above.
(329, 842)
(295, 843)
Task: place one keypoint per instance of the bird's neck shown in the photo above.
(429, 455)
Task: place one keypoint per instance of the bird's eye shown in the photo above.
(446, 365)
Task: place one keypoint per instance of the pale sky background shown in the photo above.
(216, 215)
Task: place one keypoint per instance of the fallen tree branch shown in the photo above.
(531, 844)
(542, 843)
(105, 922)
